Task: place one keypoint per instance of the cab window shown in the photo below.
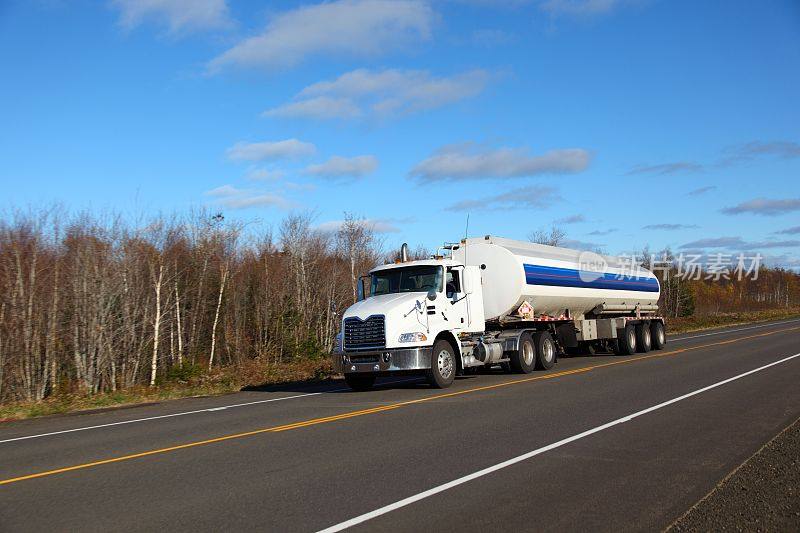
(453, 285)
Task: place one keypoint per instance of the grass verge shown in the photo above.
(208, 384)
(697, 323)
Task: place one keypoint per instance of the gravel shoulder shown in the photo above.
(762, 494)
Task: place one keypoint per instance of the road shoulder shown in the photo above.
(762, 494)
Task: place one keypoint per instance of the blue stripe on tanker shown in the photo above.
(568, 277)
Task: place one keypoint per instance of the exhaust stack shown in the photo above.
(404, 253)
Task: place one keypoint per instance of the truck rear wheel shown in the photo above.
(545, 350)
(443, 365)
(359, 382)
(659, 339)
(524, 359)
(643, 337)
(626, 343)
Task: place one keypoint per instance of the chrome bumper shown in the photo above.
(387, 360)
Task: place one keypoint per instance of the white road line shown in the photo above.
(246, 404)
(172, 415)
(735, 330)
(480, 473)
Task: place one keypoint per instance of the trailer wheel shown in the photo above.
(359, 382)
(443, 365)
(659, 338)
(626, 343)
(643, 337)
(545, 350)
(524, 359)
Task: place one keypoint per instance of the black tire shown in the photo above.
(643, 337)
(545, 350)
(443, 365)
(658, 335)
(523, 360)
(359, 382)
(626, 343)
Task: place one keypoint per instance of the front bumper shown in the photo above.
(386, 360)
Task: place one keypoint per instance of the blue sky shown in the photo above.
(632, 122)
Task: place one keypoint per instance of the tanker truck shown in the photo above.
(488, 301)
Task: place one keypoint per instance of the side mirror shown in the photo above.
(432, 294)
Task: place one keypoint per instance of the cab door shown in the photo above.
(457, 309)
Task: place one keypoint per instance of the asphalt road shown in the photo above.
(603, 442)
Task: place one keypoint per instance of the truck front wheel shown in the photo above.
(360, 382)
(443, 365)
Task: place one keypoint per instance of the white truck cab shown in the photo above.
(404, 308)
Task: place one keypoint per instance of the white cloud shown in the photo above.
(180, 16)
(667, 168)
(323, 107)
(299, 186)
(258, 200)
(345, 167)
(765, 206)
(235, 198)
(701, 190)
(670, 227)
(572, 219)
(264, 174)
(270, 150)
(224, 190)
(522, 197)
(739, 243)
(345, 27)
(582, 245)
(382, 92)
(470, 161)
(754, 149)
(378, 225)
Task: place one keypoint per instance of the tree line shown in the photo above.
(96, 304)
(90, 304)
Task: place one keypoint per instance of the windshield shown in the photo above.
(407, 279)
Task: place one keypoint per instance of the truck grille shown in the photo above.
(369, 334)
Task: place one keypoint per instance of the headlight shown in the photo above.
(412, 337)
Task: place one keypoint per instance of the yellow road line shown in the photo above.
(379, 409)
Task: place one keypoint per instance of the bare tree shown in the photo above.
(554, 237)
(157, 281)
(353, 241)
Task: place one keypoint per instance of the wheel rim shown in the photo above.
(547, 351)
(632, 339)
(660, 336)
(646, 337)
(445, 363)
(527, 352)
